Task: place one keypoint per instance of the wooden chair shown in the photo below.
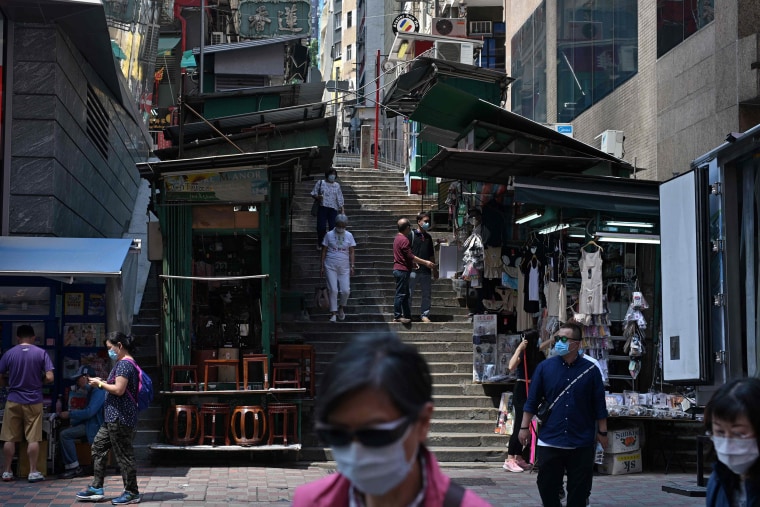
(222, 362)
(304, 355)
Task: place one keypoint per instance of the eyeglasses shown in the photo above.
(723, 434)
(564, 339)
(379, 435)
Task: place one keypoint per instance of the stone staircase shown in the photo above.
(465, 416)
(146, 326)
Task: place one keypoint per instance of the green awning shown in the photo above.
(117, 52)
(166, 44)
(188, 60)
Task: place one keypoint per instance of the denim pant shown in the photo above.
(401, 306)
(69, 438)
(325, 222)
(553, 463)
(117, 437)
(423, 278)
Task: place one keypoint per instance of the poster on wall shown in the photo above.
(24, 300)
(96, 305)
(73, 303)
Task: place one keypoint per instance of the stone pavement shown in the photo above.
(265, 485)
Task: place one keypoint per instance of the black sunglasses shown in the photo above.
(373, 436)
(564, 339)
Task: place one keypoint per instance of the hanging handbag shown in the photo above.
(544, 410)
(322, 297)
(315, 206)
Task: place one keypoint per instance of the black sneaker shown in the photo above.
(71, 473)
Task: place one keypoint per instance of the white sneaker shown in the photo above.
(333, 318)
(341, 314)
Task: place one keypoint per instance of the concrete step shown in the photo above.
(434, 331)
(469, 440)
(481, 426)
(466, 413)
(491, 454)
(454, 401)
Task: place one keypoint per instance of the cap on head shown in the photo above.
(341, 219)
(83, 370)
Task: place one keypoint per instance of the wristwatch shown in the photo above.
(602, 433)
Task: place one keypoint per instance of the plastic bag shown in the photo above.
(322, 298)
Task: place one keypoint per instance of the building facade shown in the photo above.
(674, 77)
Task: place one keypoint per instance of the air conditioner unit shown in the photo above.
(217, 38)
(450, 27)
(461, 52)
(612, 142)
(584, 30)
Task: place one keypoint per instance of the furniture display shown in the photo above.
(182, 425)
(181, 377)
(261, 359)
(210, 411)
(221, 362)
(248, 425)
(287, 412)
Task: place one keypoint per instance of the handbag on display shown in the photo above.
(315, 206)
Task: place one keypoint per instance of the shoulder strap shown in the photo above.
(454, 495)
(139, 378)
(571, 384)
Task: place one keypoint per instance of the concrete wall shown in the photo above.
(61, 185)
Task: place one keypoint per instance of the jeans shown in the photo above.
(338, 278)
(553, 463)
(401, 306)
(325, 218)
(69, 438)
(423, 278)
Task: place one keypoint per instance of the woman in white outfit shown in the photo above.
(338, 264)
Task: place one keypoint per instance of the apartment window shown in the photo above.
(348, 52)
(337, 51)
(337, 20)
(678, 19)
(529, 67)
(348, 19)
(597, 51)
(480, 28)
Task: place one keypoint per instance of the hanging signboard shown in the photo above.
(242, 186)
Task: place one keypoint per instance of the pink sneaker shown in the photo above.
(511, 466)
(522, 463)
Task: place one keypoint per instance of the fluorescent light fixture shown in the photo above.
(553, 228)
(630, 224)
(250, 208)
(620, 237)
(576, 235)
(530, 216)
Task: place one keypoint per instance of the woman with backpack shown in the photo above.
(117, 432)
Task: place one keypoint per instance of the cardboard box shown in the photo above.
(623, 440)
(23, 459)
(621, 464)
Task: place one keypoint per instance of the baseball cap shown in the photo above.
(83, 370)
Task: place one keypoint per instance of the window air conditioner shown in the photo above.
(461, 52)
(217, 38)
(450, 27)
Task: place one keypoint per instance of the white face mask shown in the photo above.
(738, 454)
(473, 221)
(340, 230)
(374, 470)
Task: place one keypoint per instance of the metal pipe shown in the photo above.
(377, 105)
(203, 44)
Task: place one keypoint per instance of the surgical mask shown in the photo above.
(340, 230)
(374, 470)
(113, 354)
(738, 454)
(473, 221)
(331, 178)
(562, 348)
(425, 226)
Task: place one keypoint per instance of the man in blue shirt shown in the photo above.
(567, 439)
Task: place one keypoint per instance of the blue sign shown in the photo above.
(565, 129)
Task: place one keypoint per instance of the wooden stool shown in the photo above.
(213, 410)
(286, 410)
(286, 375)
(181, 375)
(182, 434)
(255, 358)
(305, 356)
(222, 362)
(246, 418)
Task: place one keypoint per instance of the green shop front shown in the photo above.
(222, 242)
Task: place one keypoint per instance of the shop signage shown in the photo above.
(405, 23)
(241, 186)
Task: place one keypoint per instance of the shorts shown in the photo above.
(22, 421)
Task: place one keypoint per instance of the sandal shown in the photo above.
(7, 476)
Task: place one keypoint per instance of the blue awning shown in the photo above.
(188, 60)
(117, 52)
(166, 44)
(62, 257)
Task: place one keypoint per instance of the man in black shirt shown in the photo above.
(422, 247)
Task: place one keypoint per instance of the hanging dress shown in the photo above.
(590, 295)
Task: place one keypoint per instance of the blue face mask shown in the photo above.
(331, 178)
(113, 354)
(425, 225)
(562, 348)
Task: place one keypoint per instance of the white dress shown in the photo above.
(590, 295)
